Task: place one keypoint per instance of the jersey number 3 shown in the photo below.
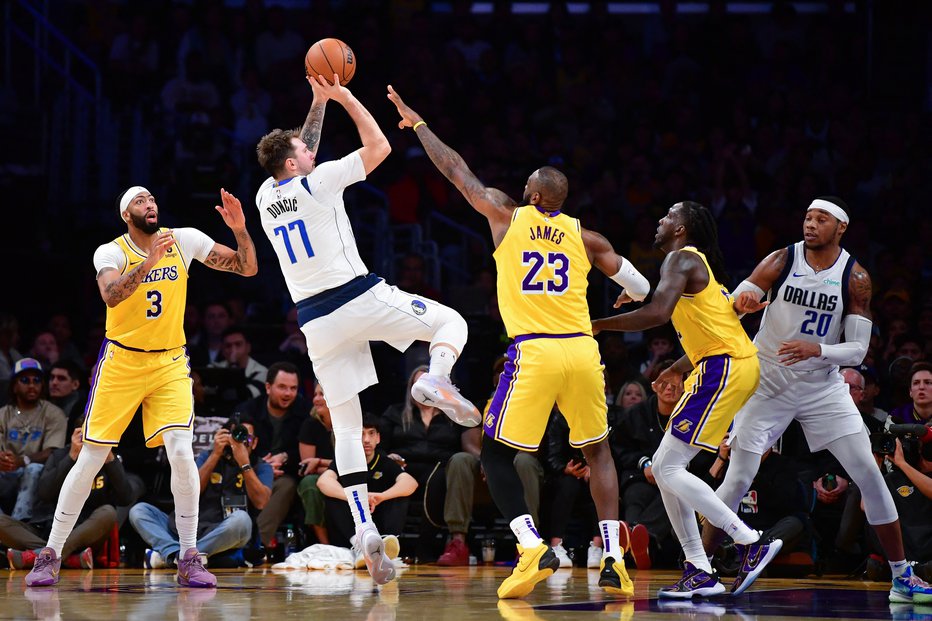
(284, 232)
(155, 299)
(535, 261)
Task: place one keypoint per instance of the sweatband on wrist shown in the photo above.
(418, 124)
(632, 281)
(852, 350)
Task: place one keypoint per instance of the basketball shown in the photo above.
(329, 56)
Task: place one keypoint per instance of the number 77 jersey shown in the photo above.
(805, 305)
(543, 273)
(306, 222)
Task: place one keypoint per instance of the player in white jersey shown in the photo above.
(341, 306)
(816, 292)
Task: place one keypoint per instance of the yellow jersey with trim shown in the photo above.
(706, 323)
(543, 273)
(152, 318)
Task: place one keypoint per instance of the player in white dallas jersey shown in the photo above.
(816, 292)
(341, 306)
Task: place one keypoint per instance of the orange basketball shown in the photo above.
(329, 56)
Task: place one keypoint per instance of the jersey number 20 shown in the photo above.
(816, 323)
(553, 286)
(284, 232)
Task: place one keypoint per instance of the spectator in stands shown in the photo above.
(910, 484)
(60, 327)
(134, 61)
(278, 44)
(422, 440)
(631, 393)
(45, 349)
(217, 319)
(190, 94)
(234, 484)
(315, 447)
(9, 338)
(634, 441)
(661, 345)
(236, 355)
(277, 417)
(30, 429)
(412, 277)
(65, 391)
(98, 516)
(389, 489)
(867, 405)
(856, 384)
(919, 410)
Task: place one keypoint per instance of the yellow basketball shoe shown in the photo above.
(613, 577)
(534, 565)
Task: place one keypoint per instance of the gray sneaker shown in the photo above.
(440, 392)
(380, 567)
(191, 572)
(45, 570)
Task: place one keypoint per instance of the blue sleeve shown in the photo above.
(265, 474)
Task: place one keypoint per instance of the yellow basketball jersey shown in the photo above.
(706, 322)
(543, 275)
(152, 318)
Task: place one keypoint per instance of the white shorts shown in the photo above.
(338, 343)
(819, 400)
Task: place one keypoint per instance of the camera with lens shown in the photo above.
(238, 432)
(912, 437)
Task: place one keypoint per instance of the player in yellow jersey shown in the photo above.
(142, 276)
(725, 372)
(543, 258)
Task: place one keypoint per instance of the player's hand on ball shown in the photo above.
(747, 302)
(408, 116)
(324, 89)
(231, 211)
(317, 86)
(792, 352)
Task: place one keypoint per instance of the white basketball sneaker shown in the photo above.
(439, 392)
(380, 566)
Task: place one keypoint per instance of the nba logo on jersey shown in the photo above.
(418, 307)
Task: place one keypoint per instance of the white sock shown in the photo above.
(524, 529)
(442, 359)
(186, 485)
(358, 498)
(898, 567)
(610, 545)
(695, 554)
(74, 492)
(741, 533)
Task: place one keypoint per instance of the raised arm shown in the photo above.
(674, 274)
(375, 147)
(491, 203)
(310, 131)
(223, 258)
(606, 260)
(115, 287)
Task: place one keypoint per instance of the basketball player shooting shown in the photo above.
(341, 306)
(143, 276)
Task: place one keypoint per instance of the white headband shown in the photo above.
(832, 208)
(129, 195)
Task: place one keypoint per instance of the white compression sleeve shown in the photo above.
(74, 492)
(852, 350)
(633, 282)
(185, 483)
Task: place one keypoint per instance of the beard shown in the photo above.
(143, 225)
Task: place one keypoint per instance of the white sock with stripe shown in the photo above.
(524, 529)
(358, 498)
(610, 545)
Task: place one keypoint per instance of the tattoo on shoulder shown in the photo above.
(779, 260)
(860, 285)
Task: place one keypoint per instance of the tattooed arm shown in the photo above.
(114, 287)
(310, 131)
(494, 204)
(860, 289)
(242, 260)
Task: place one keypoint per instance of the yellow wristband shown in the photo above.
(418, 124)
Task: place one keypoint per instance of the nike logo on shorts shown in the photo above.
(176, 357)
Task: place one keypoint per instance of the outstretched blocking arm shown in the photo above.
(674, 275)
(243, 260)
(491, 203)
(606, 260)
(749, 293)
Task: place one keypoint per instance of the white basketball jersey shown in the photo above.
(306, 222)
(805, 305)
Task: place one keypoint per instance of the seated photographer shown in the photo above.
(233, 483)
(111, 488)
(236, 355)
(315, 446)
(277, 417)
(911, 486)
(920, 392)
(389, 488)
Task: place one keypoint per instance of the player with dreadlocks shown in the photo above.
(725, 372)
